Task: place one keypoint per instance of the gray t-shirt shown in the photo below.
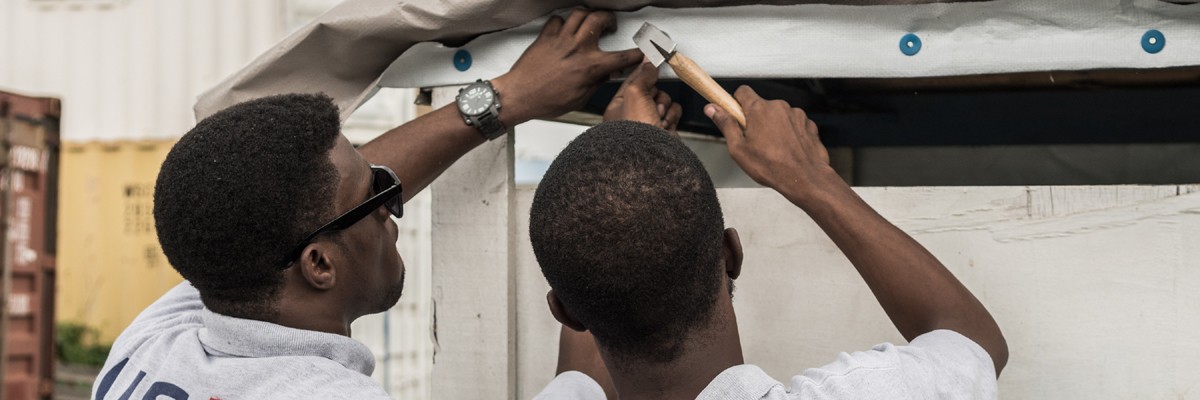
(937, 365)
(178, 349)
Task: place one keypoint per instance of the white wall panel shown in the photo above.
(1094, 287)
(130, 70)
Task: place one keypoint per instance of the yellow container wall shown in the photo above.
(110, 266)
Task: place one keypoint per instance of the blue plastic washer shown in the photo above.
(1153, 41)
(462, 60)
(910, 44)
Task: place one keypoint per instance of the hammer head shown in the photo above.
(655, 43)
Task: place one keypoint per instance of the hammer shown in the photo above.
(659, 47)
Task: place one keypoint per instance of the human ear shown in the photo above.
(732, 253)
(317, 267)
(561, 314)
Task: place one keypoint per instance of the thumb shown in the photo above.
(643, 77)
(726, 123)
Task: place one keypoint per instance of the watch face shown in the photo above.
(475, 100)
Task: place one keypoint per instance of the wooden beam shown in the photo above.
(473, 297)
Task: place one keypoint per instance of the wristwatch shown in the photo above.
(479, 104)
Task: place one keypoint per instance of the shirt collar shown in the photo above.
(257, 339)
(745, 381)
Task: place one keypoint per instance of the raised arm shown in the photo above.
(779, 148)
(556, 74)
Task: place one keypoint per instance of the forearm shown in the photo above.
(916, 291)
(421, 150)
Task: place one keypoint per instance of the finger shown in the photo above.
(615, 103)
(596, 24)
(553, 26)
(798, 123)
(673, 115)
(629, 81)
(799, 113)
(746, 96)
(574, 20)
(726, 123)
(637, 77)
(643, 78)
(801, 122)
(613, 61)
(664, 100)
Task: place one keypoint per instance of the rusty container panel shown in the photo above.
(29, 186)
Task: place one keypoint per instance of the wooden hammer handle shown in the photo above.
(693, 76)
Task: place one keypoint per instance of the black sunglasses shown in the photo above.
(386, 190)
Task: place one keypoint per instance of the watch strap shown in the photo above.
(489, 124)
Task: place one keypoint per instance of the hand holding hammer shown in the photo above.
(659, 47)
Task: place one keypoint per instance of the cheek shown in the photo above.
(389, 254)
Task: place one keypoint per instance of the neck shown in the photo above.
(303, 308)
(308, 320)
(712, 350)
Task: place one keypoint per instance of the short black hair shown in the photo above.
(628, 231)
(239, 190)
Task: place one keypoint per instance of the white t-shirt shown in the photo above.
(937, 365)
(177, 349)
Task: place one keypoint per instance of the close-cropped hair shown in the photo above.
(628, 231)
(239, 190)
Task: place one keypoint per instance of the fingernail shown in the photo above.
(661, 109)
(709, 110)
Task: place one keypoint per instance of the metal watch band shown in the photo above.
(489, 125)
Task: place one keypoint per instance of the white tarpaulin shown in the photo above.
(345, 52)
(829, 41)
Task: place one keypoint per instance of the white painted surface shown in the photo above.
(1096, 288)
(130, 70)
(473, 295)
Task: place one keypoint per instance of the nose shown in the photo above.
(392, 226)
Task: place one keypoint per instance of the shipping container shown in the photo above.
(28, 194)
(112, 266)
(131, 69)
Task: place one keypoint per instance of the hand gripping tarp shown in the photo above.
(346, 53)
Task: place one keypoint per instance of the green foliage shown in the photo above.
(79, 344)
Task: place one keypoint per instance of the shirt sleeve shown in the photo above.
(942, 364)
(572, 385)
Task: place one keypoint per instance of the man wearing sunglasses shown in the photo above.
(284, 230)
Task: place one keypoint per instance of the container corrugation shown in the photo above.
(131, 69)
(28, 181)
(111, 266)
